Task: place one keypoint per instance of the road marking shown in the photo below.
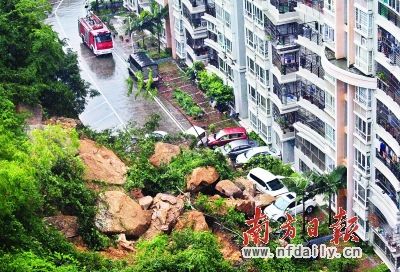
(84, 64)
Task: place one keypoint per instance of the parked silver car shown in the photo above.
(235, 148)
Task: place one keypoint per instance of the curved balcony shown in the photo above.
(338, 69)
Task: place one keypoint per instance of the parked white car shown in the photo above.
(158, 134)
(287, 203)
(266, 182)
(255, 151)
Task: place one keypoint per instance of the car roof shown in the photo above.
(233, 130)
(236, 143)
(262, 173)
(289, 196)
(192, 131)
(258, 149)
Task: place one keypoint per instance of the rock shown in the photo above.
(67, 224)
(101, 163)
(201, 176)
(64, 122)
(263, 200)
(192, 219)
(124, 243)
(228, 188)
(136, 193)
(164, 153)
(246, 186)
(246, 206)
(228, 249)
(166, 211)
(118, 213)
(145, 202)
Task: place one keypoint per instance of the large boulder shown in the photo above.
(145, 202)
(101, 163)
(164, 153)
(201, 176)
(228, 188)
(118, 213)
(64, 122)
(192, 219)
(67, 224)
(246, 206)
(263, 200)
(166, 211)
(246, 186)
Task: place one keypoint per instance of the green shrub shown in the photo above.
(183, 251)
(270, 163)
(380, 268)
(186, 102)
(255, 137)
(215, 88)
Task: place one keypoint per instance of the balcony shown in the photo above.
(315, 4)
(316, 156)
(287, 93)
(281, 35)
(389, 14)
(394, 93)
(307, 31)
(311, 62)
(387, 120)
(389, 46)
(313, 94)
(210, 9)
(392, 163)
(284, 6)
(286, 62)
(305, 117)
(284, 121)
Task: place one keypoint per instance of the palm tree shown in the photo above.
(330, 183)
(141, 23)
(158, 14)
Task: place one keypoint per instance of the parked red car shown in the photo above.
(226, 135)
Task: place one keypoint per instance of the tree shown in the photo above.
(158, 14)
(330, 183)
(141, 23)
(143, 88)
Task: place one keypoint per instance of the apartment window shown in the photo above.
(330, 134)
(364, 96)
(261, 74)
(222, 15)
(262, 101)
(362, 161)
(303, 167)
(330, 163)
(330, 5)
(363, 128)
(262, 48)
(329, 33)
(249, 38)
(258, 16)
(265, 131)
(329, 102)
(360, 193)
(253, 120)
(252, 93)
(364, 22)
(248, 8)
(250, 65)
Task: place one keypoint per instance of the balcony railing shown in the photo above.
(391, 162)
(311, 151)
(308, 32)
(284, 6)
(315, 4)
(394, 93)
(287, 93)
(313, 94)
(312, 62)
(282, 35)
(388, 45)
(388, 121)
(389, 14)
(210, 9)
(286, 63)
(312, 121)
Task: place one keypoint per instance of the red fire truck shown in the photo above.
(95, 34)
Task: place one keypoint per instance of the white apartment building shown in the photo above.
(226, 56)
(323, 88)
(189, 30)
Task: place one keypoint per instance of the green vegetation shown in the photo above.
(187, 103)
(255, 137)
(215, 88)
(272, 164)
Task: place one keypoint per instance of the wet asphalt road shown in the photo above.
(107, 74)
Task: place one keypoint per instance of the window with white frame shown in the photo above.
(330, 134)
(249, 38)
(248, 8)
(262, 101)
(363, 128)
(360, 193)
(261, 74)
(250, 65)
(265, 131)
(364, 96)
(364, 22)
(253, 120)
(362, 161)
(329, 33)
(252, 93)
(329, 163)
(330, 5)
(262, 46)
(258, 16)
(329, 102)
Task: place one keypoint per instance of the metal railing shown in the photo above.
(308, 32)
(394, 166)
(313, 94)
(312, 121)
(284, 6)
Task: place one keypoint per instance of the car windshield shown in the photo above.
(275, 185)
(105, 37)
(281, 203)
(218, 135)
